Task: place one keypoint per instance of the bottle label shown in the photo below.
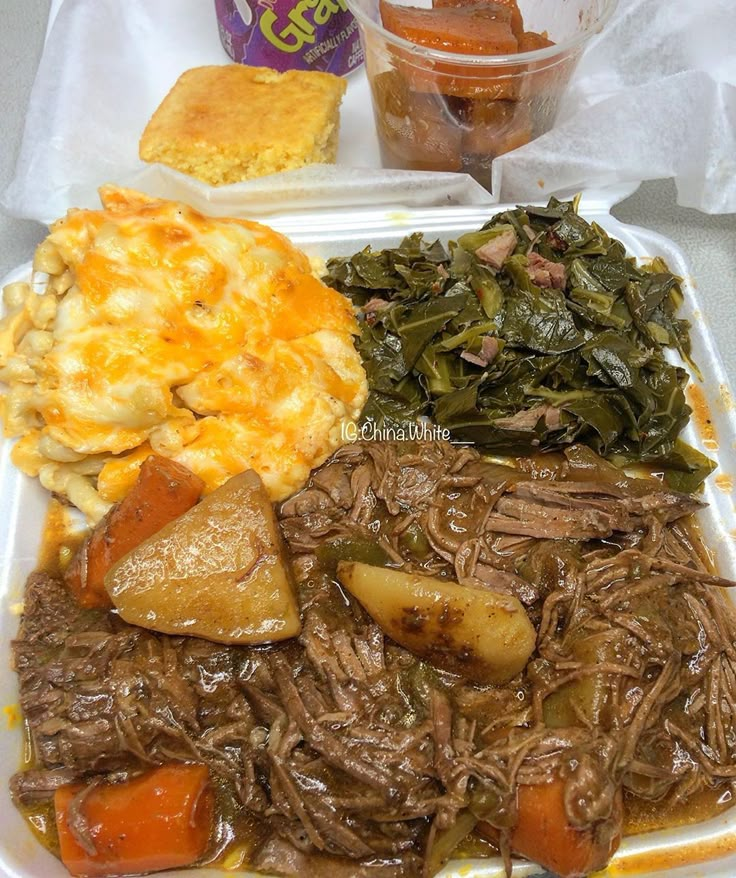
(291, 34)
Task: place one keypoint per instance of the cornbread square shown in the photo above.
(224, 124)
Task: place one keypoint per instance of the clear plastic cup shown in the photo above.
(438, 110)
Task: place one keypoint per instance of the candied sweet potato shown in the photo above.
(507, 10)
(472, 30)
(529, 41)
(425, 105)
(418, 130)
(496, 127)
(517, 23)
(469, 30)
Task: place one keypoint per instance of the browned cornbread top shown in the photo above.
(232, 122)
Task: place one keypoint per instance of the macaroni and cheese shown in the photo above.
(206, 340)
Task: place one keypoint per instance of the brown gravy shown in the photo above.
(238, 833)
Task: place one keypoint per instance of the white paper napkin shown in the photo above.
(106, 67)
(654, 96)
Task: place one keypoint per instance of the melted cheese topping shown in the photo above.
(205, 339)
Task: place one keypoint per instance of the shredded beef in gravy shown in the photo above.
(354, 756)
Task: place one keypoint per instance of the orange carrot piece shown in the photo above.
(544, 835)
(164, 491)
(160, 820)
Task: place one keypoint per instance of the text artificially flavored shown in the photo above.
(291, 34)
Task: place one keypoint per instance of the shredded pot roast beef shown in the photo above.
(354, 755)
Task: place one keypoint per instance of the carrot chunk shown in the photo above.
(544, 835)
(160, 820)
(164, 491)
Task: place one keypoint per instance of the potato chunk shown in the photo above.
(216, 572)
(478, 634)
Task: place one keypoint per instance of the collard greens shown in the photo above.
(514, 354)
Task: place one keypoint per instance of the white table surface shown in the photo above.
(708, 241)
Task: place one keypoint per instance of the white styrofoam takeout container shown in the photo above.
(707, 849)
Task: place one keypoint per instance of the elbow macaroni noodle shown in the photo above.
(149, 328)
(25, 329)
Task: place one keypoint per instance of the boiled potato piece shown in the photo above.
(216, 572)
(478, 634)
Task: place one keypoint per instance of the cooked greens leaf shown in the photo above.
(472, 241)
(540, 321)
(403, 405)
(416, 324)
(383, 357)
(505, 359)
(487, 289)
